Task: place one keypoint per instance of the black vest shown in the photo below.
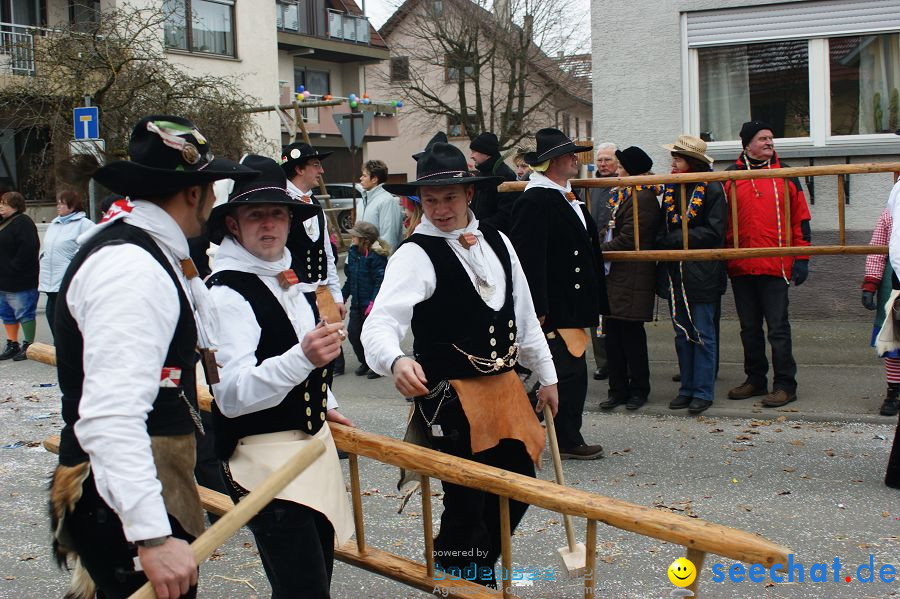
(304, 407)
(456, 315)
(170, 414)
(308, 258)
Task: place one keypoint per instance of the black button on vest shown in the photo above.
(456, 315)
(304, 407)
(170, 414)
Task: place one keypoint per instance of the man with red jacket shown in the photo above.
(761, 284)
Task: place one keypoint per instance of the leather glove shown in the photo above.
(868, 300)
(799, 271)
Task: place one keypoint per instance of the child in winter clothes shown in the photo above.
(366, 261)
(876, 289)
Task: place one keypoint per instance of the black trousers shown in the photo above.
(626, 355)
(470, 523)
(296, 546)
(892, 477)
(354, 331)
(572, 384)
(97, 536)
(599, 344)
(50, 313)
(758, 297)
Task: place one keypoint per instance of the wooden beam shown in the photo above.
(425, 489)
(734, 215)
(773, 173)
(684, 220)
(732, 254)
(697, 558)
(634, 212)
(842, 201)
(590, 563)
(356, 495)
(505, 547)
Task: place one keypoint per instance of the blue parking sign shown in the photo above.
(86, 121)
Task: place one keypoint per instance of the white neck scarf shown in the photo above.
(473, 256)
(541, 180)
(157, 223)
(233, 256)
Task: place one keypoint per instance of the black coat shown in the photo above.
(704, 280)
(489, 205)
(19, 249)
(561, 259)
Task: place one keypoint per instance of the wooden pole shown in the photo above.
(634, 212)
(41, 352)
(572, 555)
(684, 220)
(357, 503)
(769, 173)
(733, 254)
(505, 547)
(316, 104)
(425, 489)
(734, 213)
(696, 557)
(248, 507)
(841, 202)
(590, 577)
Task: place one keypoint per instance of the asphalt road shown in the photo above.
(808, 476)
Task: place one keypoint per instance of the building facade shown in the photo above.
(568, 107)
(271, 47)
(824, 73)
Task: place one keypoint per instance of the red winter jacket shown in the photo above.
(758, 222)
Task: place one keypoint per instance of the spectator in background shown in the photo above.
(60, 245)
(489, 205)
(693, 288)
(761, 284)
(412, 214)
(607, 166)
(366, 261)
(630, 285)
(19, 245)
(378, 206)
(876, 290)
(523, 171)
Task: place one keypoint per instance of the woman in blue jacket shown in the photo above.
(60, 245)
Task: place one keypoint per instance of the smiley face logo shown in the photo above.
(682, 572)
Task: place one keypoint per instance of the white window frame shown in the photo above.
(819, 101)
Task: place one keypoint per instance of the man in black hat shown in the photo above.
(273, 397)
(489, 205)
(130, 313)
(760, 285)
(458, 285)
(558, 244)
(308, 241)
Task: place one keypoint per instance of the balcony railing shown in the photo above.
(17, 49)
(311, 17)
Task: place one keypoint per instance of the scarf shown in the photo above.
(472, 256)
(62, 220)
(157, 223)
(541, 180)
(620, 193)
(231, 255)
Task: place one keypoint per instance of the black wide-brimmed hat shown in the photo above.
(440, 136)
(550, 144)
(441, 164)
(296, 154)
(270, 187)
(166, 154)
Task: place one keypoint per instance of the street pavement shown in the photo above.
(807, 476)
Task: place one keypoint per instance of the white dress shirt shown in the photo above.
(894, 244)
(126, 309)
(333, 282)
(410, 279)
(244, 386)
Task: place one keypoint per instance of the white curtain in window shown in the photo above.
(724, 91)
(879, 80)
(211, 27)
